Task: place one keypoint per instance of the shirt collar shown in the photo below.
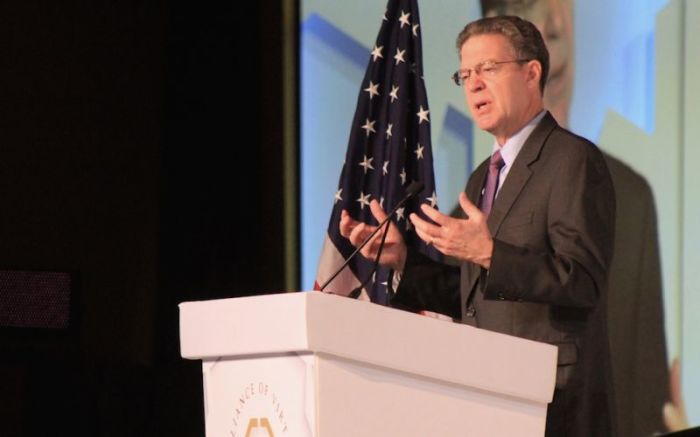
(510, 150)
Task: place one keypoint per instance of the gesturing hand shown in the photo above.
(394, 252)
(466, 239)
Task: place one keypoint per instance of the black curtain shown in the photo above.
(141, 153)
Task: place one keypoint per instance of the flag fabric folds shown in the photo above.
(389, 147)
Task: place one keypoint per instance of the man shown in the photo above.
(534, 259)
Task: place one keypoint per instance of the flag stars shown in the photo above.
(432, 199)
(399, 214)
(377, 53)
(394, 93)
(381, 201)
(404, 19)
(419, 151)
(399, 56)
(338, 196)
(415, 29)
(363, 199)
(388, 131)
(369, 126)
(403, 176)
(367, 163)
(372, 89)
(422, 115)
(385, 168)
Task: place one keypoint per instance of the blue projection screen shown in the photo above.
(626, 78)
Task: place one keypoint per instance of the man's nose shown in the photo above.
(475, 83)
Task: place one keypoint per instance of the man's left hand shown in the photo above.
(465, 239)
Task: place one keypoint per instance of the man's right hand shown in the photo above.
(394, 252)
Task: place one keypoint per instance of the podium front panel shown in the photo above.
(324, 396)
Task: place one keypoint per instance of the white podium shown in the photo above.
(311, 364)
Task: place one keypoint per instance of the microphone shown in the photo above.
(414, 188)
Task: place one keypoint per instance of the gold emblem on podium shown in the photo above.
(262, 422)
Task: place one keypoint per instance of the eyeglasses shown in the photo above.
(460, 77)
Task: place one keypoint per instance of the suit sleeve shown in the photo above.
(570, 265)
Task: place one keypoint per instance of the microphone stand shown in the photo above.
(355, 293)
(411, 191)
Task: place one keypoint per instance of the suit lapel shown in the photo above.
(470, 271)
(476, 184)
(520, 172)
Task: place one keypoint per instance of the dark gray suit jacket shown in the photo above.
(553, 228)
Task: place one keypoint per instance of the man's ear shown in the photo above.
(534, 72)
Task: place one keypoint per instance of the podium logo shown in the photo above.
(259, 428)
(257, 412)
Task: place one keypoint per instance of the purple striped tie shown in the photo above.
(491, 186)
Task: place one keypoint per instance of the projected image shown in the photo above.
(635, 309)
(616, 78)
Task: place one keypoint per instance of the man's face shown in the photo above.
(505, 98)
(554, 20)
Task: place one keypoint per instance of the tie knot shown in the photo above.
(497, 160)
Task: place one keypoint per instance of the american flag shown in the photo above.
(389, 148)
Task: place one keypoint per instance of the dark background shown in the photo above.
(140, 151)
